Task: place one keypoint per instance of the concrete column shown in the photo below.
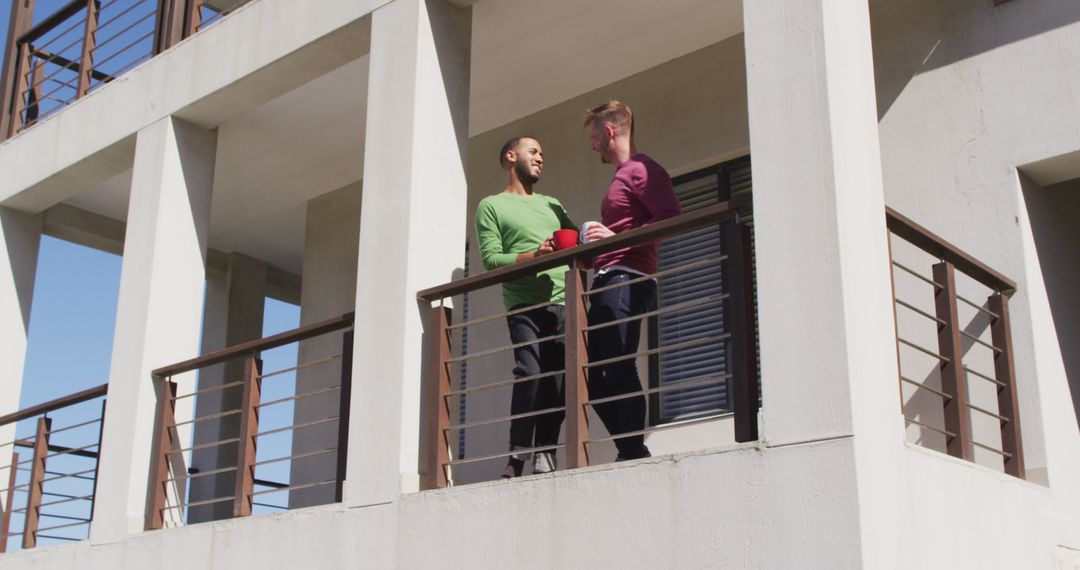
(232, 314)
(411, 230)
(828, 350)
(21, 235)
(159, 309)
(331, 242)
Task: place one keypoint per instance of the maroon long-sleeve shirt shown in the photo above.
(640, 193)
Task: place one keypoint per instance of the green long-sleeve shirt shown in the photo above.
(508, 224)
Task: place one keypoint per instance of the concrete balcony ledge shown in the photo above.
(273, 46)
(804, 495)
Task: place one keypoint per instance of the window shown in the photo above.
(695, 190)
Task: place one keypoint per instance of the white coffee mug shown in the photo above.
(584, 229)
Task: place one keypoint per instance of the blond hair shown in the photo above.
(614, 112)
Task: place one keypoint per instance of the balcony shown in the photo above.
(85, 45)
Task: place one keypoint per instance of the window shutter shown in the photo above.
(695, 190)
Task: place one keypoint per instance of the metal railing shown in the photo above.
(247, 436)
(954, 348)
(86, 44)
(55, 478)
(441, 439)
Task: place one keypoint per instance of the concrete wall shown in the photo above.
(1053, 213)
(744, 507)
(330, 250)
(968, 94)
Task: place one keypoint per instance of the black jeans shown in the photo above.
(625, 414)
(530, 360)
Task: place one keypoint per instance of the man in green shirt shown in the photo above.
(513, 226)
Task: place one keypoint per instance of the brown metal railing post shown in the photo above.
(193, 17)
(1005, 372)
(345, 395)
(249, 426)
(5, 522)
(86, 61)
(957, 414)
(170, 24)
(739, 310)
(163, 444)
(437, 449)
(21, 19)
(33, 92)
(22, 71)
(97, 461)
(37, 483)
(576, 370)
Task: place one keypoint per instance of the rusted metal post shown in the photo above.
(86, 61)
(739, 311)
(5, 522)
(437, 449)
(247, 446)
(170, 24)
(957, 414)
(345, 395)
(37, 483)
(33, 91)
(164, 428)
(97, 461)
(22, 72)
(193, 17)
(896, 322)
(1005, 372)
(20, 21)
(575, 321)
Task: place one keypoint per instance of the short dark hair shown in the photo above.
(509, 145)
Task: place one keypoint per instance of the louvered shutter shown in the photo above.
(695, 191)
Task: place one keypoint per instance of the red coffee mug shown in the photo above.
(565, 239)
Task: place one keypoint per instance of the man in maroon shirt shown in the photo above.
(640, 193)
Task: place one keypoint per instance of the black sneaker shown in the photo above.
(642, 454)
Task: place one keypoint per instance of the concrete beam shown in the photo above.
(91, 229)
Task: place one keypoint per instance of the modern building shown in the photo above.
(864, 353)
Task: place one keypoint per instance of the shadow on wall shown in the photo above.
(915, 36)
(1053, 212)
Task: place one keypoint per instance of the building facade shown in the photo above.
(894, 182)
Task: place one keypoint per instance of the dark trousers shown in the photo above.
(530, 360)
(625, 414)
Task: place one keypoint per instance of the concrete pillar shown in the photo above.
(233, 313)
(159, 309)
(828, 351)
(411, 230)
(331, 242)
(21, 235)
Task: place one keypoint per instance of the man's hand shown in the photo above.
(547, 246)
(597, 231)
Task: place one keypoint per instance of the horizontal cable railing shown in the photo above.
(51, 477)
(963, 348)
(87, 43)
(244, 431)
(735, 337)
